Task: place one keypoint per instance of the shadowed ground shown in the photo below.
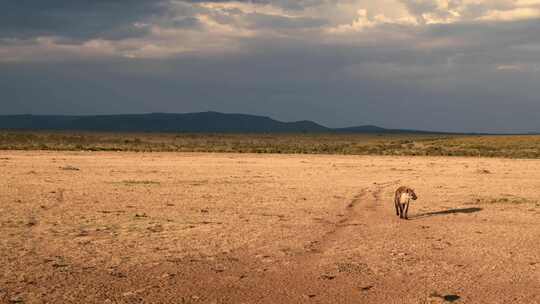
(447, 212)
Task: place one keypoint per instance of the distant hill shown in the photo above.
(375, 129)
(203, 122)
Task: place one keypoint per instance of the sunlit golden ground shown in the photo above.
(120, 227)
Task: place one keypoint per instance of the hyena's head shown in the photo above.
(412, 194)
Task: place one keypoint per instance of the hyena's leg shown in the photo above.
(400, 210)
(396, 205)
(407, 211)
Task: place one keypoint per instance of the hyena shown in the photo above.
(401, 200)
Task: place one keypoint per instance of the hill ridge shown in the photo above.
(193, 122)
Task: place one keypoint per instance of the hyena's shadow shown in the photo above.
(446, 212)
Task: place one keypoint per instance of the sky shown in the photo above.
(444, 65)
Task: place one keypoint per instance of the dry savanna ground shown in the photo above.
(123, 227)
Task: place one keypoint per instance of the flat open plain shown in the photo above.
(92, 227)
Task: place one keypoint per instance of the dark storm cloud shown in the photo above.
(76, 19)
(79, 20)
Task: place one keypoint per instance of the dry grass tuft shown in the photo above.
(506, 200)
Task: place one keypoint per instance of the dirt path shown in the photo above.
(365, 256)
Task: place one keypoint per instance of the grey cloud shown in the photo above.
(108, 19)
(419, 7)
(286, 4)
(254, 20)
(280, 22)
(497, 41)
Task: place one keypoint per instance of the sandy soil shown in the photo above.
(232, 228)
